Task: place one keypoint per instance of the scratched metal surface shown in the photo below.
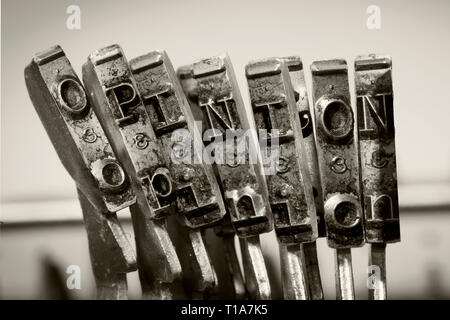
(375, 113)
(75, 131)
(337, 153)
(290, 191)
(197, 191)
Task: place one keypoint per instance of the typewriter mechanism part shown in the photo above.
(200, 169)
(290, 191)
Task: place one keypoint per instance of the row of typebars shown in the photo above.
(120, 134)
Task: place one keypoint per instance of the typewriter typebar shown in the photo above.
(217, 99)
(201, 170)
(337, 154)
(82, 146)
(123, 114)
(223, 110)
(198, 194)
(338, 166)
(374, 102)
(125, 120)
(222, 247)
(197, 191)
(199, 275)
(225, 259)
(375, 114)
(290, 191)
(295, 67)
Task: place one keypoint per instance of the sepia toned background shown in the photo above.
(40, 214)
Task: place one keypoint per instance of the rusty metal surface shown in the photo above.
(199, 275)
(290, 191)
(197, 191)
(110, 251)
(221, 245)
(125, 120)
(243, 184)
(295, 67)
(375, 113)
(337, 154)
(82, 146)
(256, 277)
(103, 188)
(124, 117)
(335, 175)
(314, 280)
(211, 87)
(220, 241)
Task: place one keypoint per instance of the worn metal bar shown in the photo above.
(312, 270)
(198, 195)
(256, 277)
(199, 275)
(345, 289)
(113, 92)
(82, 146)
(377, 259)
(290, 191)
(293, 276)
(216, 94)
(295, 67)
(375, 112)
(296, 74)
(338, 163)
(222, 246)
(105, 236)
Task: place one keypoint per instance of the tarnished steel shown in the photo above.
(314, 280)
(290, 192)
(345, 289)
(197, 191)
(122, 113)
(199, 275)
(295, 67)
(222, 249)
(125, 119)
(256, 277)
(103, 188)
(375, 113)
(337, 154)
(293, 278)
(110, 251)
(198, 195)
(223, 110)
(222, 246)
(82, 146)
(189, 85)
(214, 96)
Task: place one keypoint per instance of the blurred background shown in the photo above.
(42, 232)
